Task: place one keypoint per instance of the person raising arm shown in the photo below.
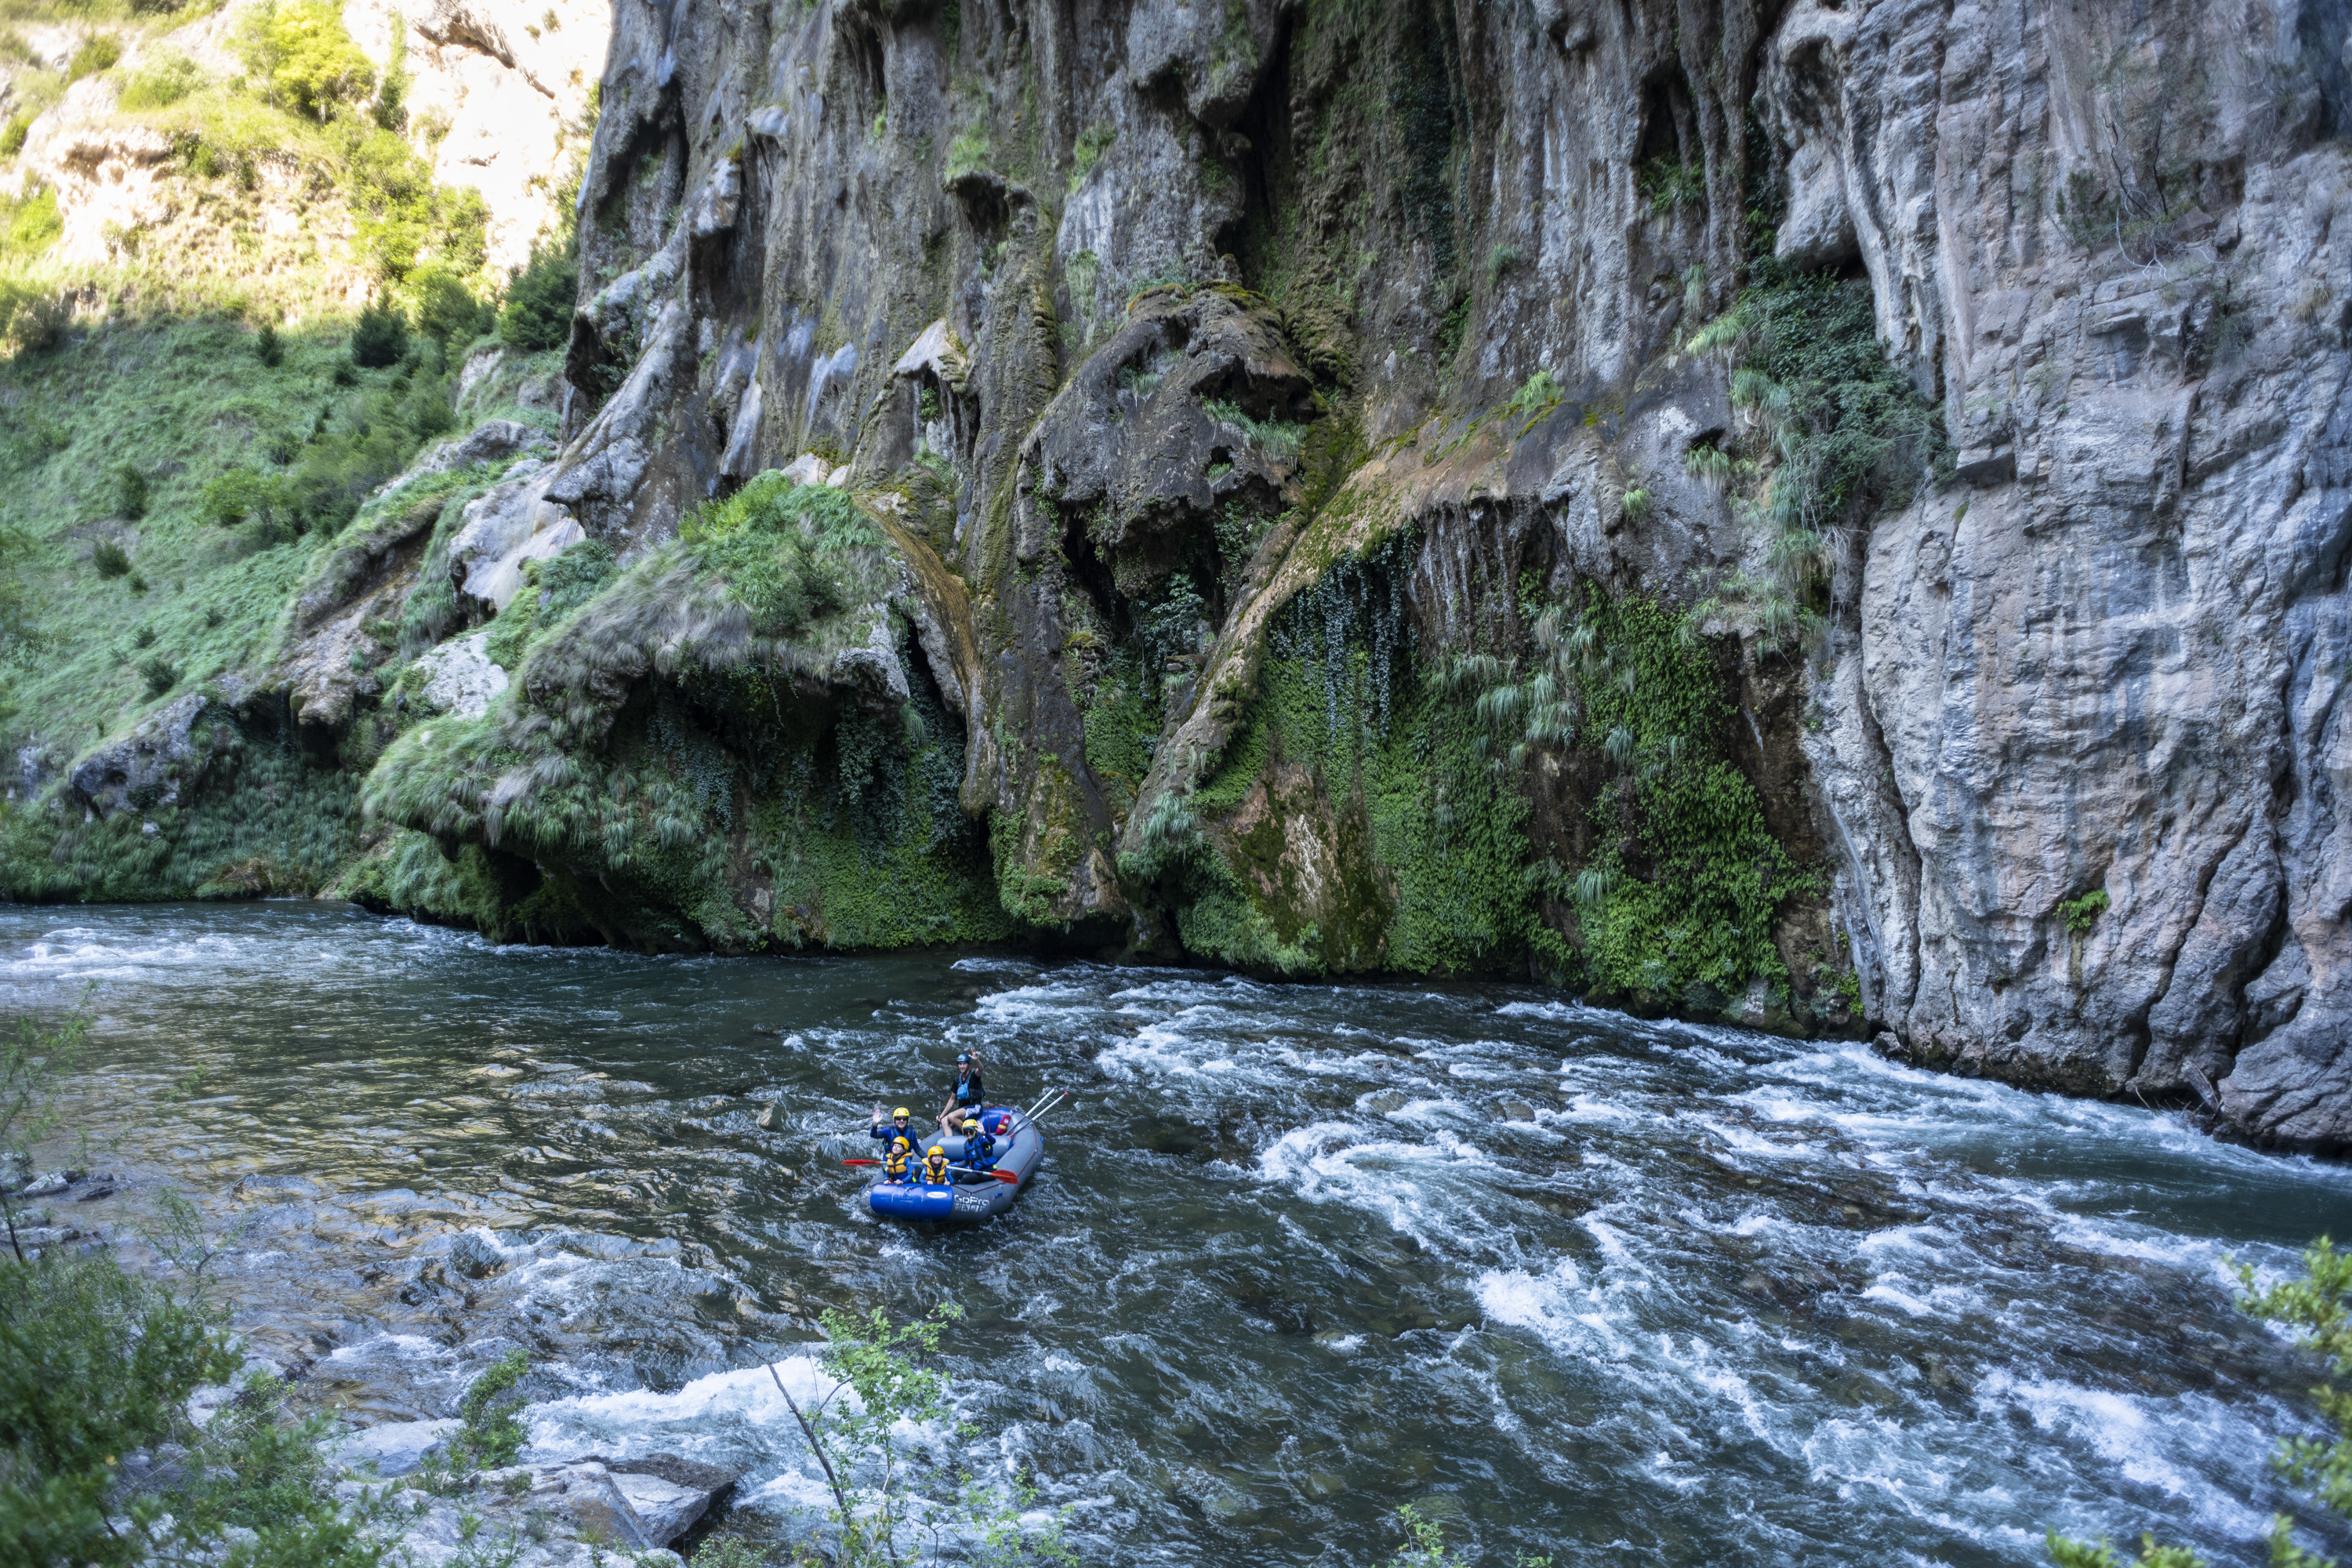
(899, 1126)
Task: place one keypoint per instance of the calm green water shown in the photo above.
(1291, 1262)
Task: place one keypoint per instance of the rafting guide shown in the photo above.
(967, 1095)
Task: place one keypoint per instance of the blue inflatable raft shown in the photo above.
(968, 1194)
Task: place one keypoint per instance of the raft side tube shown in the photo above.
(969, 1197)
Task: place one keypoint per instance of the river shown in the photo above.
(1570, 1282)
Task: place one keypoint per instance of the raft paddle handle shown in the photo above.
(1056, 1106)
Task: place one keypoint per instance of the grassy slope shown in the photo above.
(183, 403)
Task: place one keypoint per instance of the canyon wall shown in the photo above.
(1832, 518)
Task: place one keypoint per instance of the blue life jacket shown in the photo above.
(968, 1090)
(980, 1152)
(890, 1130)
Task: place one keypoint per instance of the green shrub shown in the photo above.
(1835, 432)
(96, 1365)
(779, 547)
(33, 319)
(29, 224)
(160, 674)
(302, 58)
(1278, 438)
(538, 311)
(1092, 143)
(405, 221)
(2319, 1308)
(446, 311)
(107, 559)
(98, 53)
(130, 491)
(267, 348)
(13, 135)
(239, 494)
(389, 111)
(162, 81)
(379, 337)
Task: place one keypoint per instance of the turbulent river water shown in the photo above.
(1570, 1282)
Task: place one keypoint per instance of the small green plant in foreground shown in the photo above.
(2081, 914)
(2318, 1307)
(109, 560)
(885, 1370)
(160, 674)
(490, 1435)
(1425, 1545)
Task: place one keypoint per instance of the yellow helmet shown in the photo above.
(901, 1112)
(972, 1123)
(939, 1152)
(902, 1141)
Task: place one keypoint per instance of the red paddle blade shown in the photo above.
(861, 1162)
(1004, 1175)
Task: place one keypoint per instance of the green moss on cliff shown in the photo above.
(254, 814)
(1687, 881)
(1354, 823)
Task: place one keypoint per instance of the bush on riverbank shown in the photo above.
(100, 1461)
(2317, 1308)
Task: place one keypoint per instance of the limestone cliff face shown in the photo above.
(496, 99)
(1264, 415)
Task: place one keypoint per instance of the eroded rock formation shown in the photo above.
(1831, 517)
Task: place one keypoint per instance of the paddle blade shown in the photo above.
(1004, 1176)
(861, 1162)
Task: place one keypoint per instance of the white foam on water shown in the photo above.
(394, 1347)
(2155, 1442)
(1893, 1297)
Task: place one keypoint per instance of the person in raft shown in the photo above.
(967, 1095)
(978, 1148)
(935, 1167)
(894, 1164)
(899, 1127)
